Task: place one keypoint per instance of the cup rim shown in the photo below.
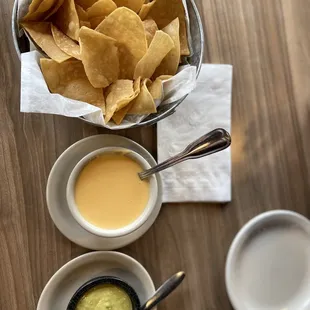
(110, 233)
(252, 225)
(101, 280)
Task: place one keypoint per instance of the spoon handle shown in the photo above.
(169, 286)
(212, 142)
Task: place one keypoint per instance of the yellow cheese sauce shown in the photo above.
(109, 193)
(105, 297)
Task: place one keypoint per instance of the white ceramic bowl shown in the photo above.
(268, 263)
(60, 288)
(111, 233)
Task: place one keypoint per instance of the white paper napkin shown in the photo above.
(208, 107)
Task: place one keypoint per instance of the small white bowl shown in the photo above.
(111, 233)
(268, 263)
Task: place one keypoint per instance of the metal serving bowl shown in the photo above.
(197, 43)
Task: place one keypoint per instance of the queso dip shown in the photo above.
(105, 297)
(109, 193)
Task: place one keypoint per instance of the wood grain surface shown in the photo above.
(268, 42)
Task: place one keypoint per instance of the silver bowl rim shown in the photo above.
(149, 122)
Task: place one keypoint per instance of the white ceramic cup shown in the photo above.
(111, 233)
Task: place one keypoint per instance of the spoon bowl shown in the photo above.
(166, 289)
(210, 143)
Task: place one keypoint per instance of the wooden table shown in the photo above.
(268, 42)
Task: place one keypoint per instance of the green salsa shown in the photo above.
(105, 297)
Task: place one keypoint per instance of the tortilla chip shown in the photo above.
(170, 63)
(32, 7)
(134, 5)
(101, 8)
(54, 9)
(119, 115)
(66, 44)
(82, 14)
(39, 10)
(85, 24)
(95, 21)
(41, 34)
(150, 28)
(69, 80)
(165, 77)
(159, 48)
(164, 11)
(85, 4)
(156, 88)
(145, 9)
(127, 29)
(99, 55)
(67, 19)
(118, 95)
(98, 11)
(144, 103)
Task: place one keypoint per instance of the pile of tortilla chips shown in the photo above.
(113, 54)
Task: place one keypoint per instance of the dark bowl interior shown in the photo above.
(104, 280)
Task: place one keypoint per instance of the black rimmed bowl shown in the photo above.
(86, 287)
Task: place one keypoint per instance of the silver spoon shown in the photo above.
(212, 142)
(169, 286)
